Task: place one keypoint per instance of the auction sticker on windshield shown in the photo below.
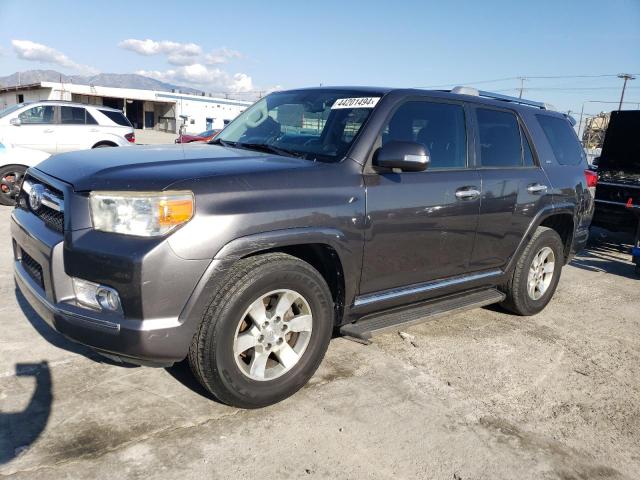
(359, 102)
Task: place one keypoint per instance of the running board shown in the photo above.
(369, 326)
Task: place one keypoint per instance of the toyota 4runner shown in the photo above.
(317, 211)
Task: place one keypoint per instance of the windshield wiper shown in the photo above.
(270, 149)
(224, 143)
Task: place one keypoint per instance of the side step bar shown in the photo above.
(369, 326)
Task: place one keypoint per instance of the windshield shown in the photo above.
(313, 124)
(12, 108)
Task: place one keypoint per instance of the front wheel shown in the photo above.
(10, 182)
(265, 332)
(536, 274)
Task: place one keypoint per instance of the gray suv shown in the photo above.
(316, 212)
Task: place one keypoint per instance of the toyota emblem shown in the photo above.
(35, 197)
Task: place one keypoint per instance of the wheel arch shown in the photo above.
(325, 249)
(556, 217)
(105, 143)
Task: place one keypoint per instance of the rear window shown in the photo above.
(116, 117)
(563, 140)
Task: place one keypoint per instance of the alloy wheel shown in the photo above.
(273, 334)
(541, 273)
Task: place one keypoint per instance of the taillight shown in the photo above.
(131, 137)
(592, 178)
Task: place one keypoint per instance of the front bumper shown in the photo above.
(155, 340)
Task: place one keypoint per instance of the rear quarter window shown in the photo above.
(116, 117)
(563, 140)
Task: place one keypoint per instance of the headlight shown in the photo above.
(145, 214)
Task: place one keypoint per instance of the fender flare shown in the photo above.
(250, 244)
(255, 243)
(546, 212)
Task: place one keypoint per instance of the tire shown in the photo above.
(520, 299)
(216, 355)
(9, 174)
(104, 145)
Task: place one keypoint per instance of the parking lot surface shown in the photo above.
(479, 395)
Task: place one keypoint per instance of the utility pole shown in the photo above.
(522, 79)
(626, 77)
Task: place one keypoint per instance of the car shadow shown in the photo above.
(22, 429)
(58, 340)
(183, 374)
(608, 252)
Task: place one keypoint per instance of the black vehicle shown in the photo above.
(618, 192)
(349, 209)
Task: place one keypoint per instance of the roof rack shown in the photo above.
(497, 96)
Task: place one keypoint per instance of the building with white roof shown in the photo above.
(146, 109)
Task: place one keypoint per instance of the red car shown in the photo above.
(205, 136)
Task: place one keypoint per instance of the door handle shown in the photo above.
(467, 193)
(536, 188)
(48, 130)
(94, 130)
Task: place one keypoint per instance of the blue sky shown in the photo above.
(255, 45)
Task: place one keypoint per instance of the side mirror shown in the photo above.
(15, 122)
(403, 156)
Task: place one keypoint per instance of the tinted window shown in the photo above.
(90, 119)
(526, 151)
(564, 141)
(39, 114)
(72, 115)
(439, 126)
(499, 135)
(116, 117)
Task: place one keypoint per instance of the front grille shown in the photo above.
(33, 268)
(52, 218)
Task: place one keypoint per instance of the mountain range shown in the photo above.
(119, 80)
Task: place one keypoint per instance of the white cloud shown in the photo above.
(221, 55)
(36, 52)
(176, 53)
(201, 76)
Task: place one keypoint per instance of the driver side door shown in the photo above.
(422, 225)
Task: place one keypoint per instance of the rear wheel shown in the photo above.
(10, 182)
(265, 332)
(536, 274)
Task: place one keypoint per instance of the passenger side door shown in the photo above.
(514, 186)
(421, 225)
(36, 129)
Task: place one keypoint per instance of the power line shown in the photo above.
(563, 88)
(525, 77)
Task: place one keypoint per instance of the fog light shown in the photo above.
(96, 296)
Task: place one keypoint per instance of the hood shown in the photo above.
(621, 148)
(155, 168)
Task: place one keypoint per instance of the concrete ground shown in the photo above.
(479, 395)
(154, 137)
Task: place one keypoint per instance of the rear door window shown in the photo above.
(563, 140)
(90, 119)
(499, 138)
(72, 115)
(116, 117)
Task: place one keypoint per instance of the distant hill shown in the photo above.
(119, 80)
